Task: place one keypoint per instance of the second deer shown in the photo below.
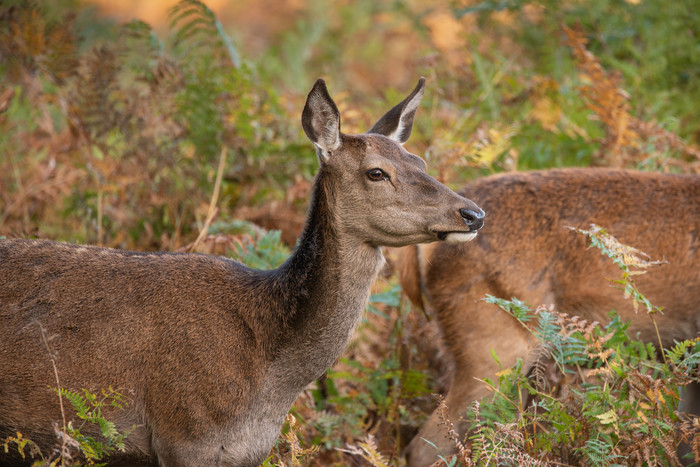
(527, 251)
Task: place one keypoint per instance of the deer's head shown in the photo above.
(383, 195)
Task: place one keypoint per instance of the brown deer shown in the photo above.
(526, 251)
(211, 353)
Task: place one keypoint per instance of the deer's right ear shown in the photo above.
(398, 122)
(321, 121)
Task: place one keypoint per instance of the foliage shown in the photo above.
(630, 260)
(593, 396)
(268, 252)
(88, 407)
(295, 451)
(75, 447)
(134, 125)
(111, 130)
(367, 450)
(535, 89)
(22, 443)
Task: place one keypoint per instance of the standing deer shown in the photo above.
(527, 251)
(213, 354)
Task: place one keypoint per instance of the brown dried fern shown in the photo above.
(368, 451)
(624, 134)
(296, 452)
(28, 42)
(450, 432)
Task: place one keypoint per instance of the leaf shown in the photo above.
(608, 418)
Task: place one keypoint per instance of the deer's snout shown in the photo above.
(474, 219)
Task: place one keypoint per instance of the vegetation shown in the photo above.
(187, 138)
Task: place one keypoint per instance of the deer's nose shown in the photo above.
(474, 219)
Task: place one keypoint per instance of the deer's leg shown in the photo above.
(420, 452)
(472, 330)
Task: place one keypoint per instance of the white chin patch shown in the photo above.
(460, 237)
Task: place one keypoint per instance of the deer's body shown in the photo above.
(527, 251)
(213, 354)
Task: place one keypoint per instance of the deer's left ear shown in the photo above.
(321, 121)
(398, 122)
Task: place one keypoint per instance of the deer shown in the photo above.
(528, 251)
(211, 354)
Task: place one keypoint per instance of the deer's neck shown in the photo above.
(328, 279)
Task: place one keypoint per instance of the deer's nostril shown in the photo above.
(474, 219)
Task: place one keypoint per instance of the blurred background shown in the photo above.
(164, 125)
(115, 112)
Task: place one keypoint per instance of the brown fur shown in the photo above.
(526, 251)
(212, 354)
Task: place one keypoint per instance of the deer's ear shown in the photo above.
(398, 122)
(321, 121)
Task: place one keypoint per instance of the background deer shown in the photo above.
(527, 251)
(213, 354)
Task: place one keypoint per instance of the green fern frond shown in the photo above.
(516, 308)
(599, 452)
(78, 402)
(140, 47)
(685, 354)
(547, 329)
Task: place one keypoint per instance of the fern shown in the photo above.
(266, 252)
(685, 355)
(367, 450)
(23, 443)
(138, 36)
(630, 260)
(517, 308)
(599, 452)
(547, 329)
(621, 411)
(79, 403)
(214, 79)
(88, 407)
(198, 27)
(29, 39)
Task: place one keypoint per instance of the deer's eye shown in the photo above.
(376, 175)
